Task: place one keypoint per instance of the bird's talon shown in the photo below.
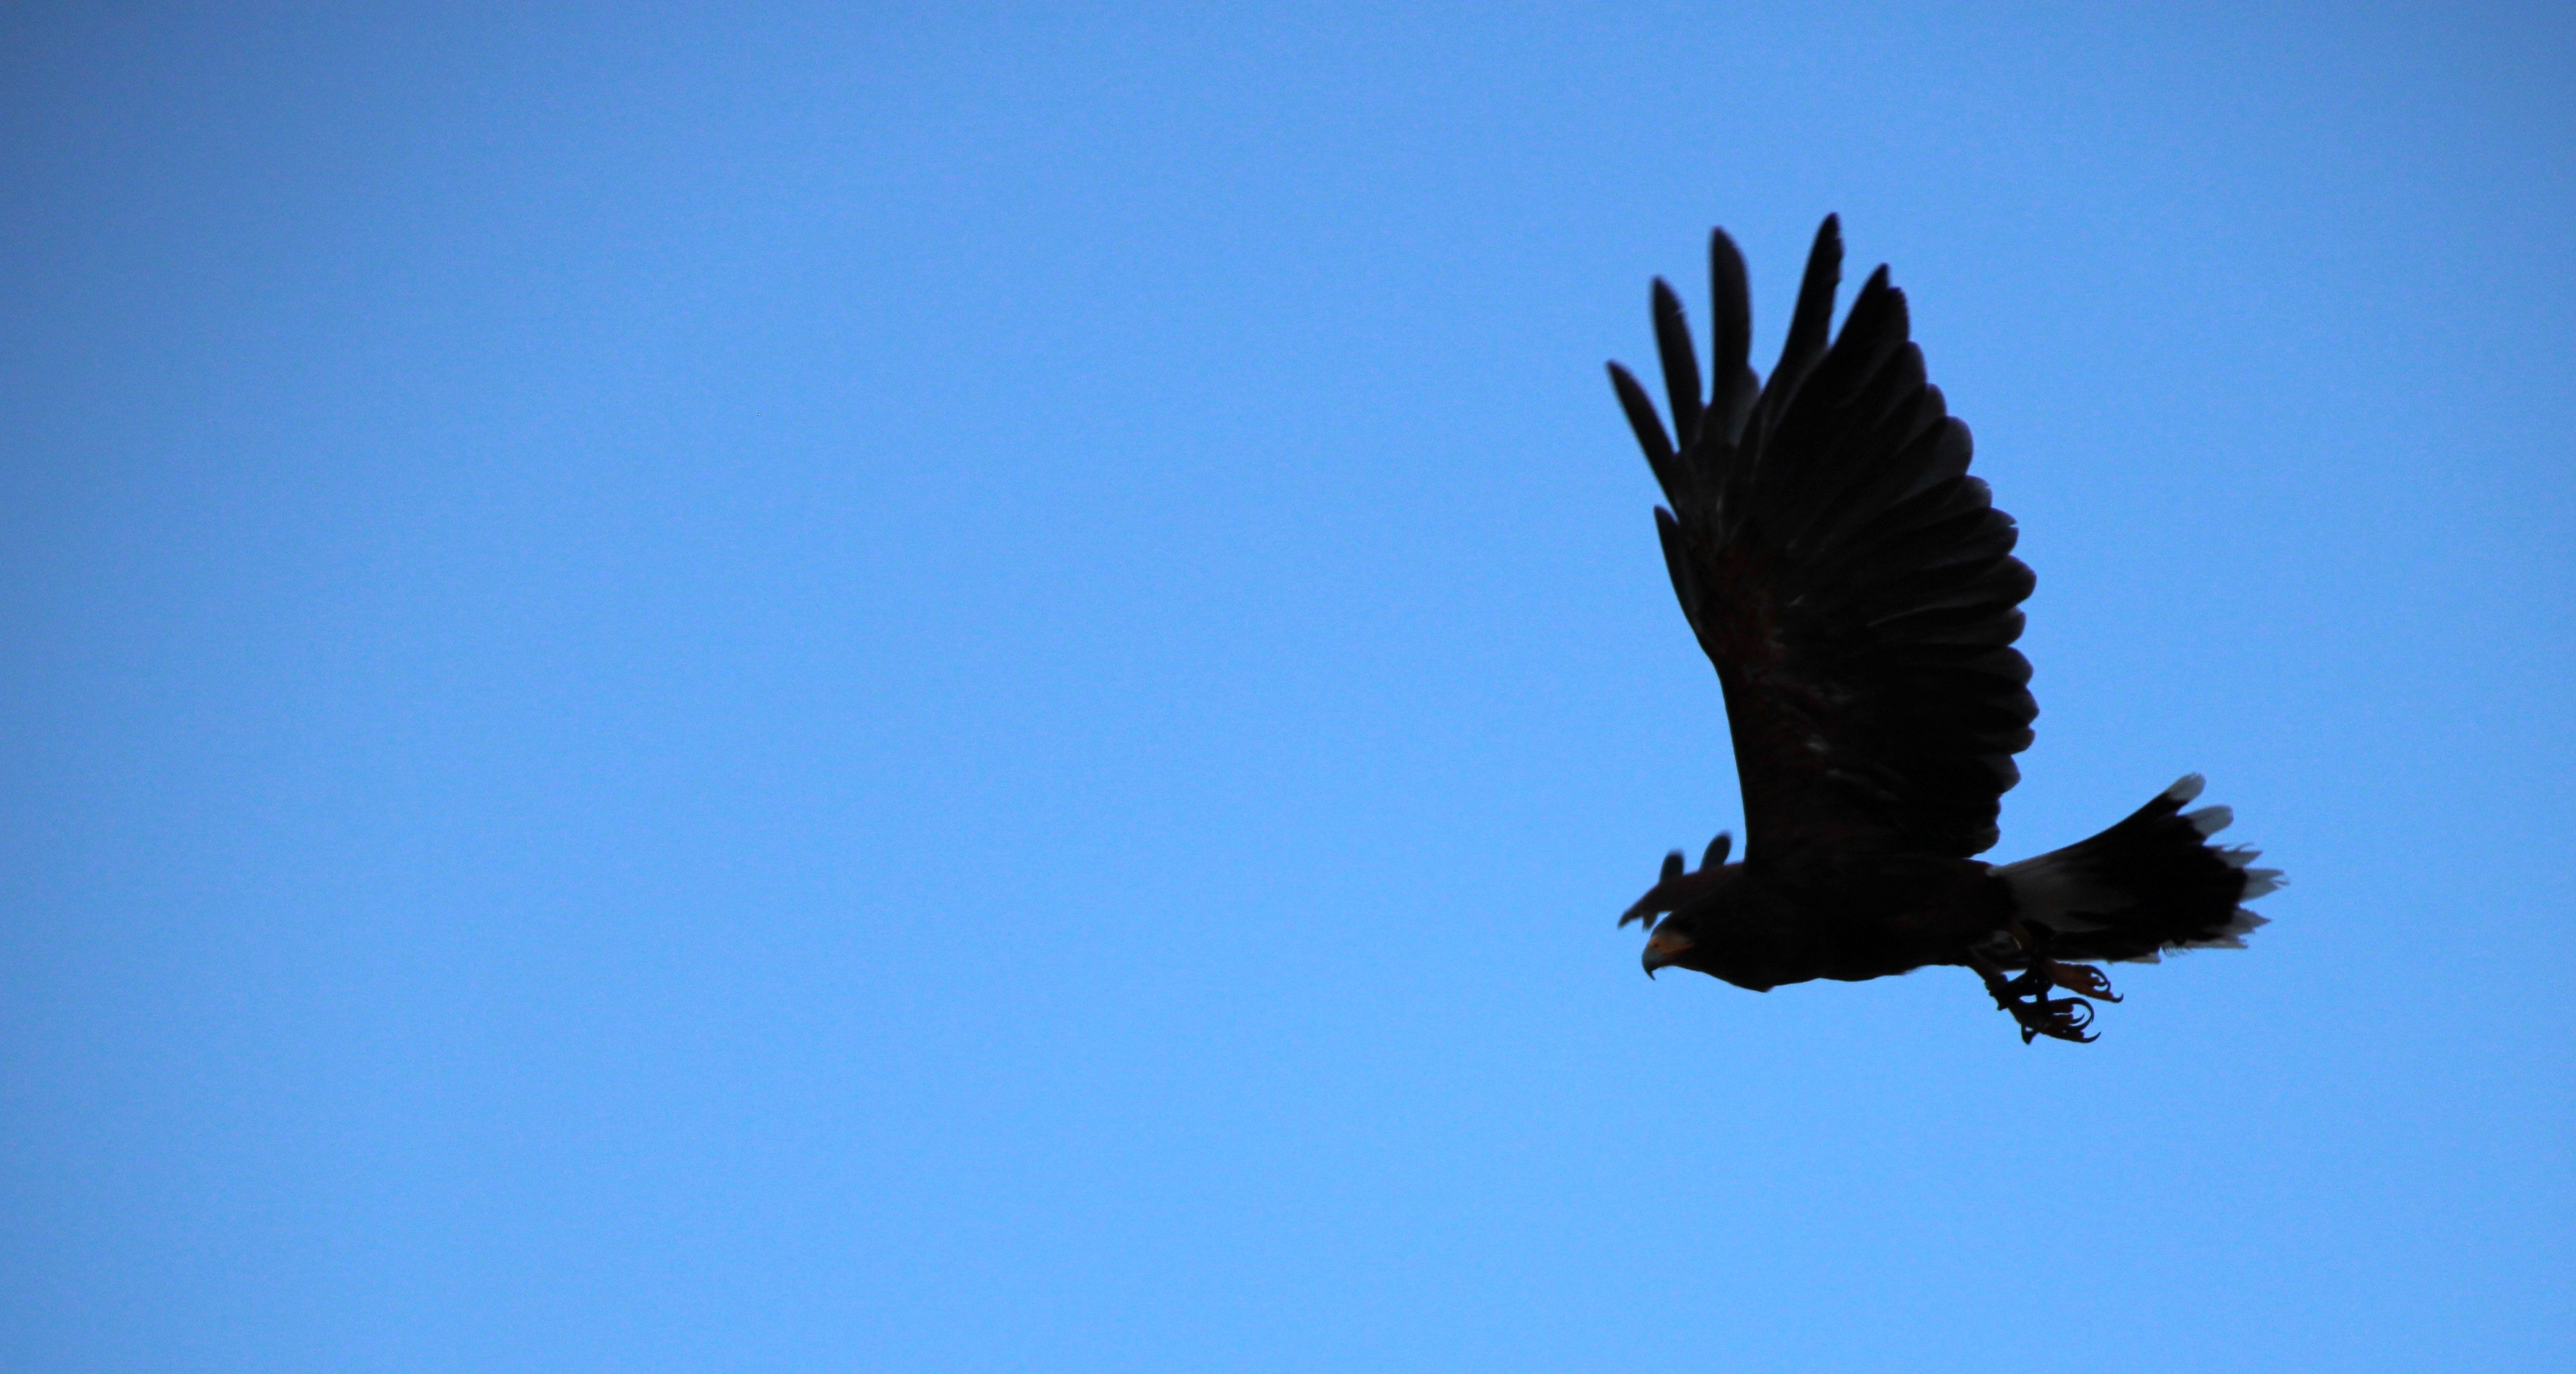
(2083, 979)
(2066, 1018)
(2063, 1018)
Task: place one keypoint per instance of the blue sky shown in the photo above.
(942, 688)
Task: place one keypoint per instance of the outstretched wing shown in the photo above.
(1854, 586)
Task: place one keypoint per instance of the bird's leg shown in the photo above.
(2026, 997)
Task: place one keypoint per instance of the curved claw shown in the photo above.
(2063, 1019)
(2083, 979)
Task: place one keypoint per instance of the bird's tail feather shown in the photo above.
(2151, 883)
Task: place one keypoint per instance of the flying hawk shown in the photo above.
(1857, 591)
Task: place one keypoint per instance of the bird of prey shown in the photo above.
(1856, 589)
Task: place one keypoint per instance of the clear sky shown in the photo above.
(940, 688)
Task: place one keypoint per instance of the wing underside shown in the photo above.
(1853, 585)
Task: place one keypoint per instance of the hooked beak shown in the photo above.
(1665, 948)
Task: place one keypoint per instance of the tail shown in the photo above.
(2151, 883)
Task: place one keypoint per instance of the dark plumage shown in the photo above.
(1857, 592)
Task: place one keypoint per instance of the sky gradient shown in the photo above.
(951, 688)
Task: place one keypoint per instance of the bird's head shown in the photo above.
(1671, 943)
(1676, 891)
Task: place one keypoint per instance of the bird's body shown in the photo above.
(1856, 591)
(1848, 918)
